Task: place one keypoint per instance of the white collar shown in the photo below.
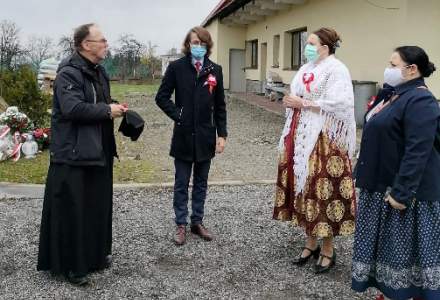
(194, 60)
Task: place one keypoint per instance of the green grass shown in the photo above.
(35, 170)
(125, 170)
(25, 170)
(134, 171)
(119, 90)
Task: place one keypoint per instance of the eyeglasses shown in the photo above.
(404, 67)
(104, 41)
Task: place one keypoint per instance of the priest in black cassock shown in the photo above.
(76, 225)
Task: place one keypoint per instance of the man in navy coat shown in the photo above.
(199, 115)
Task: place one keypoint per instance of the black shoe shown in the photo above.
(76, 279)
(108, 261)
(319, 269)
(302, 260)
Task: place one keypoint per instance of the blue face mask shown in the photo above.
(311, 53)
(198, 51)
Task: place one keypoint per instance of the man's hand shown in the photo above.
(292, 101)
(220, 147)
(394, 203)
(117, 110)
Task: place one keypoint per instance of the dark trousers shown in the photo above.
(200, 186)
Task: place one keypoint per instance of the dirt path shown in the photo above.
(251, 146)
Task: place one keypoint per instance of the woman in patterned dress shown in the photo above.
(314, 186)
(397, 239)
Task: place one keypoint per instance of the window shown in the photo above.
(295, 41)
(276, 51)
(252, 54)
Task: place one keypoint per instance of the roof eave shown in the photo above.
(225, 11)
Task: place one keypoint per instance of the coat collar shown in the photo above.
(208, 65)
(79, 62)
(409, 85)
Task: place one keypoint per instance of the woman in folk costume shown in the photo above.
(314, 187)
(396, 246)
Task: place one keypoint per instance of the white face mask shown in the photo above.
(393, 76)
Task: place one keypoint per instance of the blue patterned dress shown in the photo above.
(397, 252)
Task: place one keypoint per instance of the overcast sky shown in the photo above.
(163, 22)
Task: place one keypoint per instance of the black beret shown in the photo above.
(132, 125)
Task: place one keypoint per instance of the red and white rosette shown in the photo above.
(211, 82)
(307, 80)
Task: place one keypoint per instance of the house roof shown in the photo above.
(223, 9)
(245, 12)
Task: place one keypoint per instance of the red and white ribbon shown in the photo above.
(4, 131)
(16, 151)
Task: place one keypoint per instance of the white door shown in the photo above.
(237, 73)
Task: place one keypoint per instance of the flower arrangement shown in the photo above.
(42, 137)
(15, 127)
(15, 120)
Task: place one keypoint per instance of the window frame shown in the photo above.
(276, 51)
(295, 59)
(252, 54)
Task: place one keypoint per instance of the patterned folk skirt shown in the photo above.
(397, 251)
(326, 208)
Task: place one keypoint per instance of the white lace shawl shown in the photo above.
(332, 91)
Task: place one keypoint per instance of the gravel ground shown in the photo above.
(250, 257)
(250, 150)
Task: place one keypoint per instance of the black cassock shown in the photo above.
(76, 225)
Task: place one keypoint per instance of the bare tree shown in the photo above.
(66, 45)
(150, 60)
(10, 50)
(39, 49)
(129, 55)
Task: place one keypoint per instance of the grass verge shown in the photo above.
(35, 170)
(125, 171)
(121, 90)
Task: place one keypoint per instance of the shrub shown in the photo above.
(20, 88)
